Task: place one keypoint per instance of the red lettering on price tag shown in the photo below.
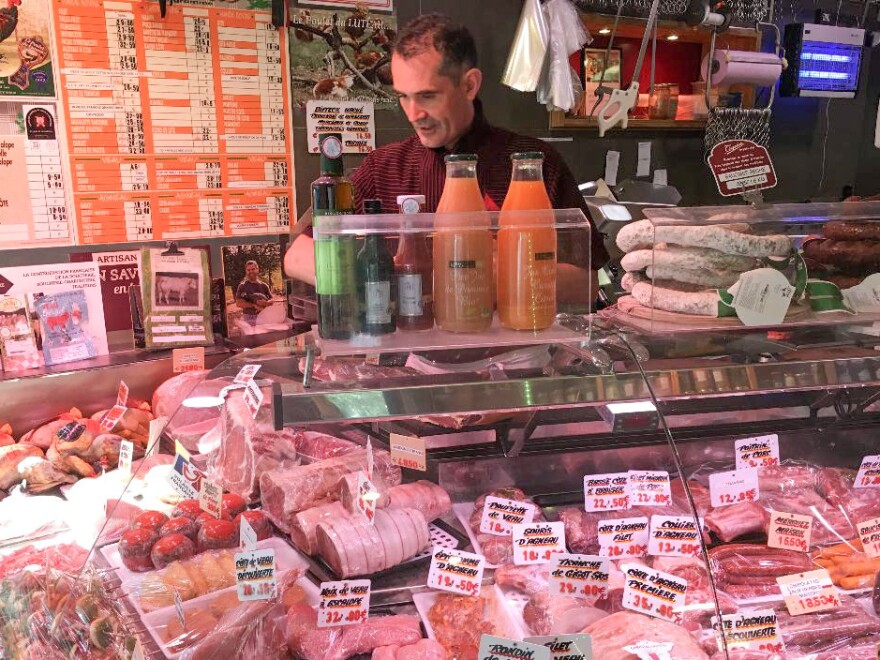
(734, 487)
(111, 419)
(537, 543)
(188, 359)
(653, 592)
(344, 603)
(500, 515)
(122, 394)
(808, 592)
(674, 536)
(649, 488)
(869, 532)
(409, 452)
(456, 571)
(762, 451)
(789, 531)
(755, 630)
(623, 537)
(606, 492)
(869, 473)
(246, 373)
(580, 576)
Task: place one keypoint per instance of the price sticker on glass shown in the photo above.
(649, 487)
(456, 571)
(674, 536)
(762, 451)
(580, 576)
(344, 603)
(653, 592)
(606, 492)
(733, 487)
(500, 515)
(623, 537)
(789, 531)
(537, 543)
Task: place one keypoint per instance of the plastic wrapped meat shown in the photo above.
(312, 446)
(304, 525)
(10, 458)
(498, 549)
(134, 424)
(625, 628)
(836, 484)
(559, 615)
(43, 435)
(458, 622)
(731, 522)
(531, 579)
(187, 425)
(429, 498)
(748, 571)
(829, 634)
(334, 370)
(6, 438)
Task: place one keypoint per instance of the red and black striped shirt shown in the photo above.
(409, 168)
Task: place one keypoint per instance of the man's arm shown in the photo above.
(241, 303)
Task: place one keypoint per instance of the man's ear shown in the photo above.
(473, 80)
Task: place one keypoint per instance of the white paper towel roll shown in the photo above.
(743, 66)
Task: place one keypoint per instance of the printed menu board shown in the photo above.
(177, 126)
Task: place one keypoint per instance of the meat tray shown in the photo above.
(155, 622)
(285, 558)
(424, 601)
(463, 511)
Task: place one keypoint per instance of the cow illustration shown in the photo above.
(173, 289)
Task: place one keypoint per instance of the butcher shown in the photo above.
(252, 295)
(436, 77)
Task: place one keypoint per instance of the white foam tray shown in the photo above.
(463, 511)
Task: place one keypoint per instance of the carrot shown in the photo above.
(859, 567)
(858, 582)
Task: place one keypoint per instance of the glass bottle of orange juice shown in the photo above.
(526, 249)
(463, 282)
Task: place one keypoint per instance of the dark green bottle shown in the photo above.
(335, 255)
(376, 282)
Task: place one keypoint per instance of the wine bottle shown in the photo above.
(375, 274)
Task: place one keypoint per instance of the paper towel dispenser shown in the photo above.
(823, 60)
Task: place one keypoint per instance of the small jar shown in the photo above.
(663, 103)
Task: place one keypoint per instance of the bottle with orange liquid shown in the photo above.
(463, 282)
(526, 249)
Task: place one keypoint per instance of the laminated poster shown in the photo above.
(176, 298)
(25, 49)
(18, 344)
(64, 324)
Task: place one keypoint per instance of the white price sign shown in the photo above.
(500, 515)
(623, 537)
(733, 487)
(649, 488)
(344, 603)
(759, 452)
(762, 297)
(812, 591)
(126, 454)
(499, 648)
(247, 535)
(255, 575)
(674, 536)
(367, 497)
(869, 532)
(757, 630)
(253, 397)
(606, 492)
(580, 576)
(653, 592)
(246, 373)
(869, 472)
(537, 543)
(789, 531)
(456, 571)
(566, 647)
(211, 498)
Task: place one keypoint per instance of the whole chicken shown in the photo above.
(134, 424)
(42, 435)
(80, 448)
(8, 19)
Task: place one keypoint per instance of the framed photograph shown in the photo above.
(177, 290)
(593, 63)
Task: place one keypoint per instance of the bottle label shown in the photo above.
(335, 265)
(462, 264)
(545, 256)
(378, 295)
(410, 290)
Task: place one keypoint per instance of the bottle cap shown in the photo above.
(527, 155)
(460, 158)
(372, 206)
(410, 204)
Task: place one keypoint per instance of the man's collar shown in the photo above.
(473, 137)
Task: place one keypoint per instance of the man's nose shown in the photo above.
(414, 112)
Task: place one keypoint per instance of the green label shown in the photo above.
(544, 256)
(462, 264)
(335, 265)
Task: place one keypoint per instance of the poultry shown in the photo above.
(81, 448)
(10, 458)
(9, 18)
(40, 475)
(134, 424)
(42, 436)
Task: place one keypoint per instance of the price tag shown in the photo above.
(537, 543)
(623, 537)
(253, 397)
(733, 487)
(188, 359)
(865, 296)
(757, 452)
(367, 497)
(649, 650)
(499, 648)
(178, 609)
(580, 576)
(247, 536)
(649, 487)
(246, 373)
(255, 574)
(344, 603)
(869, 532)
(566, 647)
(674, 536)
(372, 359)
(757, 630)
(122, 394)
(789, 531)
(643, 164)
(869, 472)
(211, 498)
(606, 492)
(660, 177)
(808, 592)
(612, 163)
(126, 454)
(111, 419)
(456, 571)
(409, 452)
(156, 427)
(500, 515)
(762, 297)
(653, 592)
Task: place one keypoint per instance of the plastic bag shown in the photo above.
(558, 88)
(525, 62)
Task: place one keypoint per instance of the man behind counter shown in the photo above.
(435, 74)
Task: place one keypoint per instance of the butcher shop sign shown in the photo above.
(741, 166)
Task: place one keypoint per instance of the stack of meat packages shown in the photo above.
(847, 253)
(678, 268)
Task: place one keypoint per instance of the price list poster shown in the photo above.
(178, 127)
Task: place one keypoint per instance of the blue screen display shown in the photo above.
(829, 67)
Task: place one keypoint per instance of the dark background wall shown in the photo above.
(798, 126)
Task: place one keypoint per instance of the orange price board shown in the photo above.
(178, 127)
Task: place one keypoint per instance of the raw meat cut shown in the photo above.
(309, 642)
(6, 438)
(351, 546)
(250, 446)
(312, 446)
(334, 370)
(582, 529)
(458, 622)
(531, 579)
(730, 522)
(498, 549)
(611, 634)
(424, 649)
(287, 491)
(42, 435)
(429, 498)
(744, 570)
(836, 484)
(304, 526)
(559, 615)
(187, 425)
(10, 458)
(134, 424)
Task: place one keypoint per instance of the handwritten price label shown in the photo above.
(211, 498)
(727, 488)
(606, 492)
(869, 473)
(674, 536)
(757, 630)
(367, 497)
(649, 487)
(653, 592)
(496, 648)
(869, 532)
(409, 452)
(188, 359)
(255, 575)
(500, 515)
(344, 603)
(623, 537)
(566, 647)
(537, 543)
(789, 531)
(111, 419)
(808, 592)
(122, 394)
(762, 451)
(126, 454)
(253, 397)
(580, 576)
(456, 571)
(246, 373)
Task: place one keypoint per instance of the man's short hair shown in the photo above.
(452, 40)
(251, 262)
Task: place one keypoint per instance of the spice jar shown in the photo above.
(663, 103)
